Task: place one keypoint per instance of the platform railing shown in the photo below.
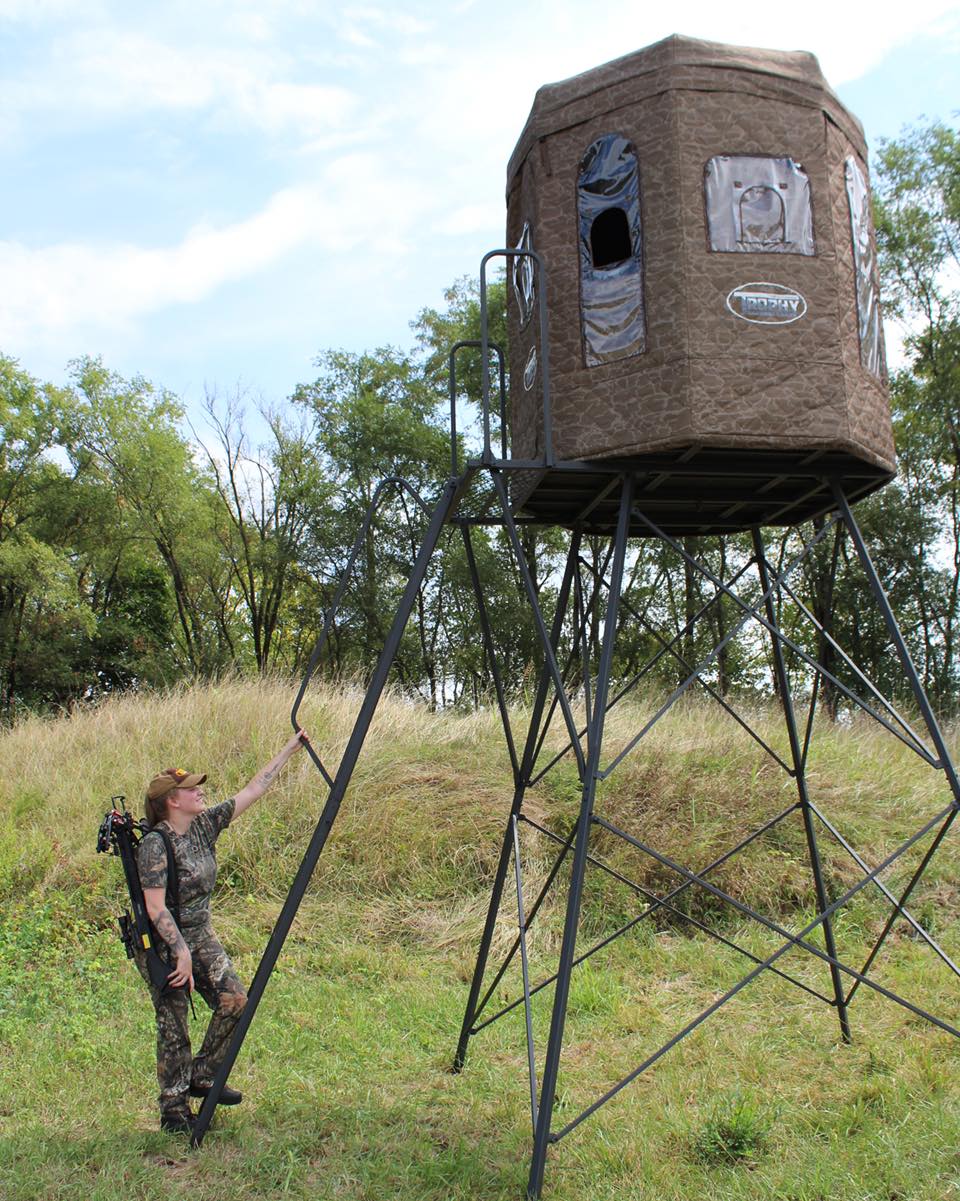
(475, 344)
(543, 355)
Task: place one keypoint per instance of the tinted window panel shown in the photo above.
(522, 275)
(758, 205)
(611, 263)
(865, 265)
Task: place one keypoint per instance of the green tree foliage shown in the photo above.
(43, 621)
(438, 331)
(266, 502)
(918, 521)
(133, 552)
(376, 416)
(124, 440)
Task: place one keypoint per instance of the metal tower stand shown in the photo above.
(773, 588)
(586, 592)
(591, 598)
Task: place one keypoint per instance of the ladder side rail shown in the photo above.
(332, 807)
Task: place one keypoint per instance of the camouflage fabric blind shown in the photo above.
(196, 861)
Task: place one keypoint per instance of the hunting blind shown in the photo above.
(695, 348)
(701, 213)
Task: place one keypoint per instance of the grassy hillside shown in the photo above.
(346, 1067)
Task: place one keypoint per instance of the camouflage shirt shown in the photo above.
(195, 857)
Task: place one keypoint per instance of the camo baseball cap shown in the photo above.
(173, 777)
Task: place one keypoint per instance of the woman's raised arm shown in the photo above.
(258, 785)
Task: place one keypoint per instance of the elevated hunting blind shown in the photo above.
(695, 347)
(702, 215)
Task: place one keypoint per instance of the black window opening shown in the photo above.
(758, 204)
(613, 321)
(610, 239)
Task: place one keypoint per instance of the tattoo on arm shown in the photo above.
(259, 783)
(168, 930)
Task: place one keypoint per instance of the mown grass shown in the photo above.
(346, 1069)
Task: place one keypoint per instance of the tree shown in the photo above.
(43, 624)
(268, 502)
(437, 331)
(918, 232)
(375, 416)
(124, 437)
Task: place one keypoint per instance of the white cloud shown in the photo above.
(110, 70)
(471, 219)
(35, 12)
(103, 73)
(847, 38)
(469, 109)
(252, 25)
(356, 37)
(311, 108)
(69, 287)
(387, 21)
(858, 38)
(420, 54)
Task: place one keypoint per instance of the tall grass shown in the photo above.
(346, 1061)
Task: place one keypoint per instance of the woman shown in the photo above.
(175, 805)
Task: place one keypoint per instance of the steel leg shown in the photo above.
(520, 787)
(568, 946)
(797, 754)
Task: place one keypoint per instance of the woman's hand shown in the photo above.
(301, 738)
(182, 974)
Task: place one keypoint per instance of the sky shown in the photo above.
(211, 193)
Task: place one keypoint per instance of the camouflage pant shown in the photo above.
(220, 987)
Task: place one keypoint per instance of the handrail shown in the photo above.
(475, 344)
(512, 253)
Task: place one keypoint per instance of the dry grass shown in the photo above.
(419, 832)
(348, 1062)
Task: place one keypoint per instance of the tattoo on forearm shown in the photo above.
(167, 928)
(267, 775)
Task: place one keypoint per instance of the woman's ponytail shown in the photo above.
(154, 810)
